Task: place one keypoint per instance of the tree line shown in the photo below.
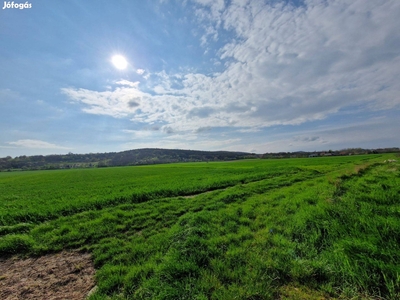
(125, 158)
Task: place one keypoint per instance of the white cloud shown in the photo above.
(140, 71)
(128, 83)
(248, 130)
(120, 102)
(285, 65)
(35, 144)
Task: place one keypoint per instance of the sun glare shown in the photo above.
(119, 62)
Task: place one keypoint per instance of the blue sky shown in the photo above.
(256, 76)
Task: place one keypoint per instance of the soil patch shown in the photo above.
(65, 275)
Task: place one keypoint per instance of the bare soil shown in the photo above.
(65, 275)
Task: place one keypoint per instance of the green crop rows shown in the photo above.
(257, 229)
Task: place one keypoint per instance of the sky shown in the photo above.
(239, 75)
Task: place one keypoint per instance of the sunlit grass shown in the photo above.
(286, 229)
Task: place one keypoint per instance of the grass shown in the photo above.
(268, 229)
(38, 196)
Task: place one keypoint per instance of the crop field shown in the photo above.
(316, 228)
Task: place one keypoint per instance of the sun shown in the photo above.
(119, 62)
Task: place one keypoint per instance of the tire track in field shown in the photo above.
(260, 189)
(272, 182)
(359, 171)
(15, 222)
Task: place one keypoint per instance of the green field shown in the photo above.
(254, 229)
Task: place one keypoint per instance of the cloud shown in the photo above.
(203, 129)
(120, 102)
(154, 128)
(128, 83)
(139, 134)
(370, 133)
(200, 112)
(140, 71)
(249, 130)
(134, 102)
(8, 95)
(35, 144)
(168, 129)
(310, 139)
(283, 65)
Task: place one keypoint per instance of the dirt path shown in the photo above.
(65, 275)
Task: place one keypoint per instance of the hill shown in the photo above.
(125, 158)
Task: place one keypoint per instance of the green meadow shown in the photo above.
(315, 228)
